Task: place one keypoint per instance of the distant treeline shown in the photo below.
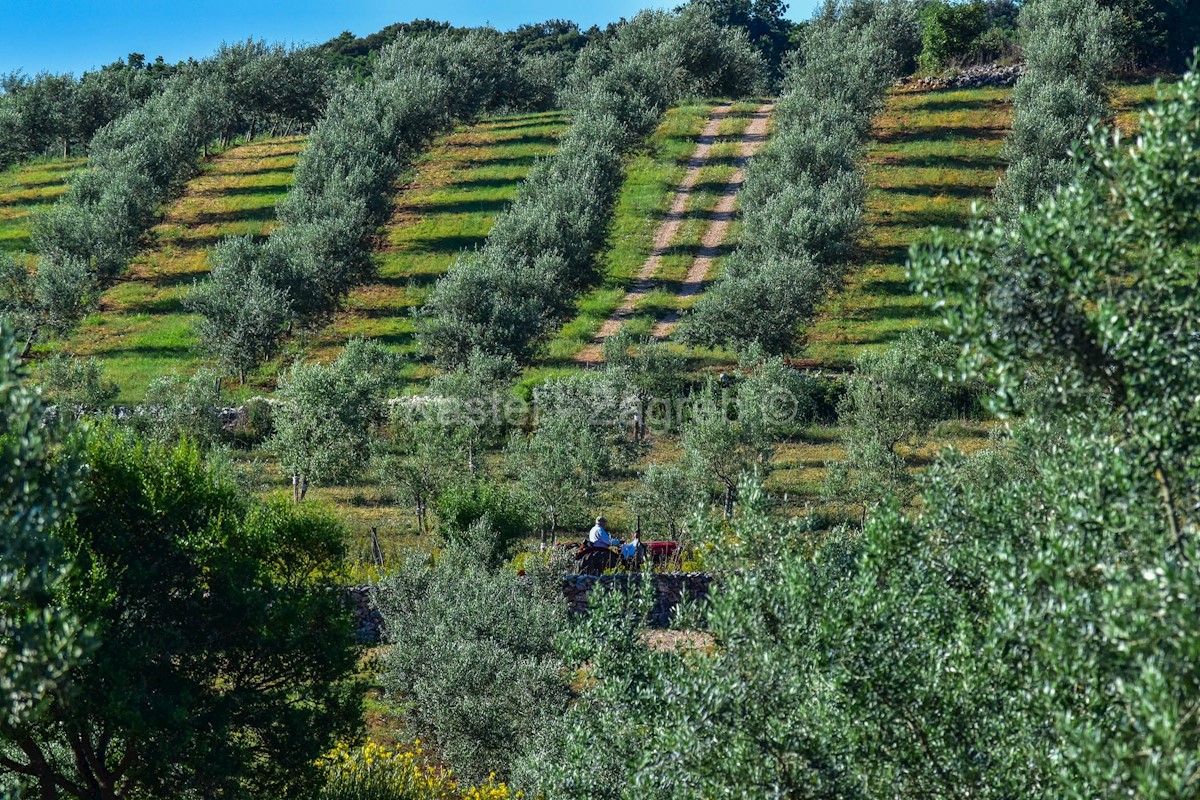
(561, 40)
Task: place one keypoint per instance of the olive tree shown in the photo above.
(324, 417)
(40, 640)
(892, 398)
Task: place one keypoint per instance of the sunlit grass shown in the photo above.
(448, 207)
(25, 191)
(142, 330)
(932, 157)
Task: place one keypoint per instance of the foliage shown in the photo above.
(579, 439)
(891, 398)
(767, 29)
(960, 33)
(412, 460)
(1069, 50)
(144, 155)
(73, 383)
(1097, 285)
(803, 200)
(324, 416)
(720, 443)
(221, 668)
(176, 408)
(473, 655)
(652, 371)
(39, 639)
(244, 309)
(501, 509)
(374, 772)
(370, 134)
(1155, 34)
(664, 500)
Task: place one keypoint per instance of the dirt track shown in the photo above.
(719, 220)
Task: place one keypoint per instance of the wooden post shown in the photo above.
(376, 549)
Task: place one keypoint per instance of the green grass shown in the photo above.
(25, 191)
(650, 179)
(449, 206)
(933, 155)
(142, 330)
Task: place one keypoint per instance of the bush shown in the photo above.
(473, 657)
(222, 668)
(73, 383)
(465, 505)
(1070, 49)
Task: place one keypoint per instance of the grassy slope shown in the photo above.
(26, 190)
(142, 330)
(449, 206)
(650, 180)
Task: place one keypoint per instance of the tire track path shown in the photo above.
(720, 219)
(664, 238)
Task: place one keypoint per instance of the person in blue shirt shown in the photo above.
(598, 536)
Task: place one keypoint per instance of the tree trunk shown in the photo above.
(729, 497)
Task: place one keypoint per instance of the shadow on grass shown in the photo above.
(242, 191)
(934, 190)
(506, 161)
(262, 214)
(883, 254)
(923, 133)
(485, 183)
(979, 162)
(465, 207)
(442, 244)
(936, 104)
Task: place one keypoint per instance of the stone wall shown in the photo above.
(969, 78)
(668, 587)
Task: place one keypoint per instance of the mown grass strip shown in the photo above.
(449, 206)
(141, 330)
(25, 191)
(933, 156)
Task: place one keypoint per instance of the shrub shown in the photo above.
(465, 505)
(1069, 49)
(473, 656)
(221, 667)
(74, 383)
(374, 772)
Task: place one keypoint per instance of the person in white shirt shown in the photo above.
(598, 536)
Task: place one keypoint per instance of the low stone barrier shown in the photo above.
(969, 78)
(669, 590)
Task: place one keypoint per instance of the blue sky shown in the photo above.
(76, 35)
